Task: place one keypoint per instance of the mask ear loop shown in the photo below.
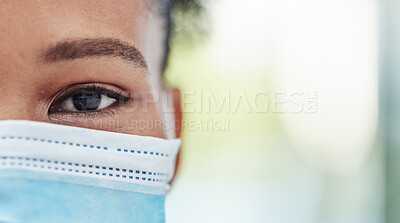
(168, 187)
(167, 112)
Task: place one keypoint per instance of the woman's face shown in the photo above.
(81, 63)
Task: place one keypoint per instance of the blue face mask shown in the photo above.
(55, 173)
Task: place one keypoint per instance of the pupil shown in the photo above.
(86, 101)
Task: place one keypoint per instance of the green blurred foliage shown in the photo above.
(190, 21)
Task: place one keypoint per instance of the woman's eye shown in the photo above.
(87, 101)
(87, 98)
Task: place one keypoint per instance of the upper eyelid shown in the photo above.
(101, 88)
(69, 91)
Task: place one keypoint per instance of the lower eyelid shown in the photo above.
(76, 116)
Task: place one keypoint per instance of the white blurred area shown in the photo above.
(331, 48)
(315, 167)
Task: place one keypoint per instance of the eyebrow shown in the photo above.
(97, 47)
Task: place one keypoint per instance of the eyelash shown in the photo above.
(116, 93)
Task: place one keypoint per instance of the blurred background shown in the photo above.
(289, 111)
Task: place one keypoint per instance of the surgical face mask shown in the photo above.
(55, 173)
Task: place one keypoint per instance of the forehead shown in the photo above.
(32, 23)
(29, 26)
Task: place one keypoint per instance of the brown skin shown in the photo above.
(30, 86)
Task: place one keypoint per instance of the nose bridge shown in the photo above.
(21, 89)
(17, 101)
